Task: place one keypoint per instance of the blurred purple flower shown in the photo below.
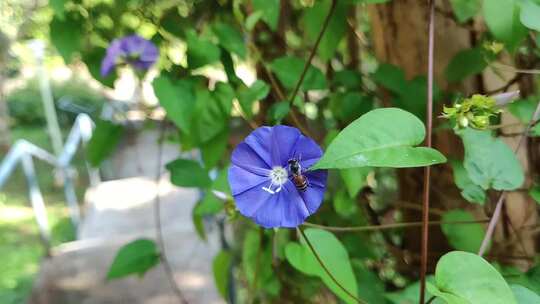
(262, 180)
(133, 50)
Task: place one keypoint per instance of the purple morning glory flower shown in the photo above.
(133, 50)
(269, 177)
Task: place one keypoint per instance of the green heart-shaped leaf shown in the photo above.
(381, 138)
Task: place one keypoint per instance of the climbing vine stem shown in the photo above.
(497, 213)
(157, 218)
(427, 169)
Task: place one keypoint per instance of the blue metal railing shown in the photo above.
(24, 152)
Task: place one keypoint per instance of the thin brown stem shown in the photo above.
(313, 51)
(328, 272)
(427, 169)
(390, 226)
(279, 92)
(157, 218)
(497, 213)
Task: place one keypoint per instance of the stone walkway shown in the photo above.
(118, 212)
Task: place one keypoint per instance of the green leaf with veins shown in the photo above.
(383, 137)
(490, 163)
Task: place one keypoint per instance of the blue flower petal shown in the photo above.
(260, 141)
(263, 149)
(285, 139)
(245, 156)
(146, 53)
(242, 180)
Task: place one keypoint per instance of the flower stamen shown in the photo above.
(278, 176)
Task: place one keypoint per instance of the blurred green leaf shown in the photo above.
(105, 139)
(278, 111)
(523, 109)
(136, 257)
(198, 223)
(349, 79)
(178, 100)
(344, 205)
(288, 70)
(257, 264)
(66, 35)
(92, 58)
(489, 162)
(314, 18)
(390, 77)
(220, 267)
(410, 95)
(230, 38)
(524, 295)
(335, 258)
(200, 51)
(214, 150)
(348, 106)
(58, 8)
(502, 19)
(469, 190)
(465, 9)
(535, 193)
(188, 173)
(381, 138)
(269, 10)
(248, 95)
(469, 277)
(464, 64)
(530, 14)
(209, 117)
(465, 237)
(355, 179)
(410, 294)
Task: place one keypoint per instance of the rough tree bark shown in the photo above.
(400, 38)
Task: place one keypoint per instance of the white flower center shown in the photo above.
(278, 176)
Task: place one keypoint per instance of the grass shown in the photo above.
(19, 238)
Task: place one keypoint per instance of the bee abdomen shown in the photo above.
(301, 184)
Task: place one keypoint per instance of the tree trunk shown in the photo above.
(400, 34)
